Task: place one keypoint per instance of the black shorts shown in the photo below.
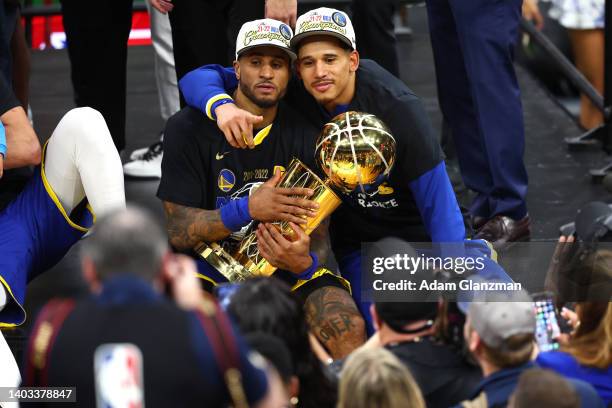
(303, 288)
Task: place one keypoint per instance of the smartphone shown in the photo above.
(547, 322)
(224, 293)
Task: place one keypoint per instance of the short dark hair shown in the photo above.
(129, 241)
(268, 305)
(274, 350)
(399, 314)
(544, 389)
(514, 351)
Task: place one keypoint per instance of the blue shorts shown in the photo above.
(35, 233)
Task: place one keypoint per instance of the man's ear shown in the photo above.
(375, 319)
(354, 61)
(474, 341)
(237, 69)
(294, 386)
(167, 263)
(90, 275)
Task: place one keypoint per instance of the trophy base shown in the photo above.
(223, 262)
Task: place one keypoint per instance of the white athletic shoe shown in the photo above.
(149, 166)
(138, 154)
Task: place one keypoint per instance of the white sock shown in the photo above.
(81, 160)
(3, 297)
(9, 374)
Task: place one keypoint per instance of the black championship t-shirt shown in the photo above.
(201, 170)
(391, 209)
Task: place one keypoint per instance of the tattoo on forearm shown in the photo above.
(333, 317)
(188, 226)
(335, 326)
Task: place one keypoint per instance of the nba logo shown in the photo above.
(118, 376)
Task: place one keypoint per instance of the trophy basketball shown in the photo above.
(354, 150)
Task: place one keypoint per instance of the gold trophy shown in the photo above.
(355, 149)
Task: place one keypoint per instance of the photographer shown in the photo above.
(127, 342)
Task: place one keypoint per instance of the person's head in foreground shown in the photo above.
(375, 378)
(282, 381)
(327, 55)
(543, 389)
(268, 305)
(591, 343)
(395, 320)
(127, 242)
(263, 63)
(499, 330)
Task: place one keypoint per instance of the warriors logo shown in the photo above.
(226, 181)
(339, 18)
(285, 31)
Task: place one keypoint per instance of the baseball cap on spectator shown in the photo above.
(499, 315)
(264, 32)
(398, 315)
(324, 21)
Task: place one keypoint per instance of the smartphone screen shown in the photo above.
(547, 325)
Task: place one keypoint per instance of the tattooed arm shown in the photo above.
(188, 226)
(334, 319)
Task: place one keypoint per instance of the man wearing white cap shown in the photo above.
(212, 191)
(417, 202)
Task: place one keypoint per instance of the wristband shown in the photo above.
(214, 102)
(235, 214)
(307, 274)
(2, 140)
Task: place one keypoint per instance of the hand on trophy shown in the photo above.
(293, 256)
(270, 203)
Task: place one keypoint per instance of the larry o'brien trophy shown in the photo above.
(354, 150)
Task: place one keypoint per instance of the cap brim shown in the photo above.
(289, 52)
(299, 37)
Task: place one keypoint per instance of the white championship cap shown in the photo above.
(266, 32)
(324, 21)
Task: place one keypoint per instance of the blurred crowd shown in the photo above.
(243, 87)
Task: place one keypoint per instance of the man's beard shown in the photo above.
(261, 103)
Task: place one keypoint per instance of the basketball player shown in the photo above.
(79, 171)
(212, 191)
(79, 175)
(417, 202)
